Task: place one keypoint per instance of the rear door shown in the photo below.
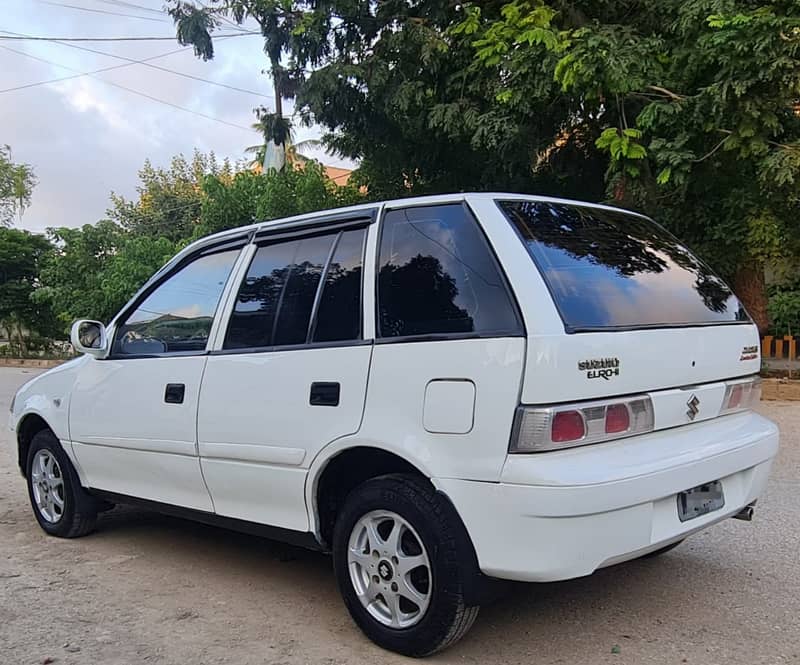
(289, 374)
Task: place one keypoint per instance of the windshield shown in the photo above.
(609, 269)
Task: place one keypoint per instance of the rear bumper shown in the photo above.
(561, 515)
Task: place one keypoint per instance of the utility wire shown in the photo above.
(120, 3)
(131, 90)
(75, 76)
(112, 39)
(101, 11)
(145, 62)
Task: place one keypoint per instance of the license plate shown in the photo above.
(700, 500)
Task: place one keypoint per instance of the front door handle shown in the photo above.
(174, 393)
(324, 393)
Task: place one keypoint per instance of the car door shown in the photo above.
(289, 372)
(133, 414)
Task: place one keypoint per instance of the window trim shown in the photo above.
(334, 226)
(519, 331)
(292, 347)
(224, 245)
(579, 330)
(318, 224)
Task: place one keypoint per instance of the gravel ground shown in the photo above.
(151, 589)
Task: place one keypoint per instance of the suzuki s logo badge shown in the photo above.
(694, 407)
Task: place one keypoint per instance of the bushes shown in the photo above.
(784, 310)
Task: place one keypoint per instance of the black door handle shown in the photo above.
(174, 393)
(324, 393)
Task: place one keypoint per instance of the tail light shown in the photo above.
(741, 395)
(538, 429)
(567, 426)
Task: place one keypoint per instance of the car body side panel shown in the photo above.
(399, 377)
(48, 397)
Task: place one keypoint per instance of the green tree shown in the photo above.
(16, 186)
(251, 196)
(696, 106)
(168, 200)
(399, 89)
(277, 20)
(95, 269)
(21, 255)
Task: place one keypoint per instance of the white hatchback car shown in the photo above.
(442, 391)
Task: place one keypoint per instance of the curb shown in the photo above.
(780, 389)
(30, 362)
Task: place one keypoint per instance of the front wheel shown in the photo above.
(60, 504)
(399, 568)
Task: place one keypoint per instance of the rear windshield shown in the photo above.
(608, 269)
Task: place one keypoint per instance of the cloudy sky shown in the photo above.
(86, 138)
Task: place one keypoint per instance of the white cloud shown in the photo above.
(86, 138)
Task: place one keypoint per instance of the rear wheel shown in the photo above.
(398, 566)
(60, 504)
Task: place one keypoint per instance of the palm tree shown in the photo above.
(278, 147)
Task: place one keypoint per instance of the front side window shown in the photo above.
(610, 269)
(177, 315)
(287, 280)
(438, 276)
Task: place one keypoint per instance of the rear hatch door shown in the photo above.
(641, 313)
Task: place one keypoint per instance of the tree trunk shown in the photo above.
(23, 347)
(276, 73)
(750, 287)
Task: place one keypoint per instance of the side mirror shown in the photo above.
(89, 337)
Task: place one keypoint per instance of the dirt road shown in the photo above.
(150, 589)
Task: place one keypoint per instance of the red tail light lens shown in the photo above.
(618, 419)
(741, 394)
(567, 426)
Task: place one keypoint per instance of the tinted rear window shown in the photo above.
(608, 269)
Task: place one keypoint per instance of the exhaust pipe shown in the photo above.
(745, 514)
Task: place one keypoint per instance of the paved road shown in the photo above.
(149, 589)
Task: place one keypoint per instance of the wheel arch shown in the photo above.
(339, 469)
(29, 426)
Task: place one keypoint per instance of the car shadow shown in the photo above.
(571, 621)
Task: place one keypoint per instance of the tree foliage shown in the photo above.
(698, 106)
(21, 256)
(400, 89)
(94, 270)
(169, 200)
(16, 186)
(687, 110)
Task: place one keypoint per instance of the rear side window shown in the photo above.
(301, 289)
(609, 269)
(289, 284)
(339, 313)
(438, 276)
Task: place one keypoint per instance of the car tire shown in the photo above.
(663, 550)
(414, 611)
(61, 506)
